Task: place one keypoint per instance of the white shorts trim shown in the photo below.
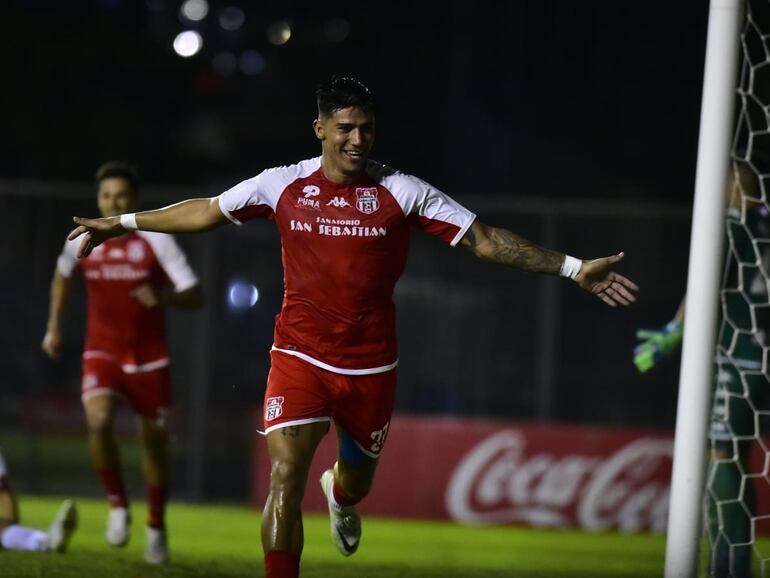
(293, 423)
(367, 452)
(340, 370)
(145, 367)
(127, 367)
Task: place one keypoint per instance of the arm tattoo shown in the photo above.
(291, 431)
(510, 249)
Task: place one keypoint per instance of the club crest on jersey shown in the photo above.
(273, 408)
(135, 251)
(366, 200)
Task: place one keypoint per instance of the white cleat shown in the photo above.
(63, 526)
(156, 548)
(345, 522)
(118, 526)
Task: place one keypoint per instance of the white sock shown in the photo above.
(22, 538)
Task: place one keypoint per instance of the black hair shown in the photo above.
(118, 170)
(343, 92)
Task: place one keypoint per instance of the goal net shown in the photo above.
(737, 523)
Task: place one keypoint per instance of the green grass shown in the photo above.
(223, 542)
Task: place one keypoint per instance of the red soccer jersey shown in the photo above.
(344, 247)
(119, 327)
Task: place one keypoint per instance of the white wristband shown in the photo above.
(128, 221)
(571, 267)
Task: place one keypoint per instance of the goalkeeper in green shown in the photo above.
(740, 385)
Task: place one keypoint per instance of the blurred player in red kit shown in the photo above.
(125, 353)
(344, 222)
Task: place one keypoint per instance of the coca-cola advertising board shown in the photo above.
(498, 472)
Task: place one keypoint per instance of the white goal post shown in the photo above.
(703, 283)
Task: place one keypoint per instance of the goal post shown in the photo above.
(703, 283)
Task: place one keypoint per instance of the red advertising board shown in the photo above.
(498, 472)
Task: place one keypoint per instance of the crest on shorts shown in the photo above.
(366, 200)
(273, 408)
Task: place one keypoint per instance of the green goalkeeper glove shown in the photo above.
(656, 345)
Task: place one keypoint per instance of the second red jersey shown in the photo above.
(119, 327)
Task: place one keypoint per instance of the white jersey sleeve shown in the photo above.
(172, 259)
(68, 258)
(258, 196)
(427, 207)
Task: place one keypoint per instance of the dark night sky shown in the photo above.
(559, 98)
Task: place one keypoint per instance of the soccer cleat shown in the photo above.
(118, 526)
(63, 526)
(345, 522)
(156, 547)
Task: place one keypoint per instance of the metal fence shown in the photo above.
(474, 339)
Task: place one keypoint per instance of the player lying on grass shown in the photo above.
(344, 223)
(14, 536)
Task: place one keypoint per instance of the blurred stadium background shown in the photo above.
(574, 124)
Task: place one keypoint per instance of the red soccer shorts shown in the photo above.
(148, 392)
(299, 393)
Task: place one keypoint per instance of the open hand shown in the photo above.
(52, 344)
(146, 295)
(598, 277)
(95, 232)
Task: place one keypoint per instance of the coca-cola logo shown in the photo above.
(498, 482)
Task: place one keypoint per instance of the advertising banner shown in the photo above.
(497, 472)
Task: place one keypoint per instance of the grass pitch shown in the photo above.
(223, 542)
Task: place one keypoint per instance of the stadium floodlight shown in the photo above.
(279, 32)
(194, 10)
(241, 295)
(188, 43)
(703, 281)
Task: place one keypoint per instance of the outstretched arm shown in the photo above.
(191, 216)
(507, 248)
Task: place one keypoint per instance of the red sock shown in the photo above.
(112, 481)
(281, 564)
(341, 497)
(156, 506)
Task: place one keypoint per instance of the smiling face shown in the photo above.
(115, 197)
(346, 136)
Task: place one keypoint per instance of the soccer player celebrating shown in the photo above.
(740, 384)
(344, 223)
(14, 536)
(125, 351)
